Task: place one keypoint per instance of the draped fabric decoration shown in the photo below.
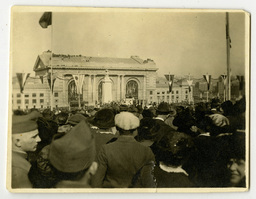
(22, 78)
(46, 20)
(42, 79)
(79, 80)
(170, 80)
(190, 82)
(208, 80)
(49, 81)
(224, 78)
(241, 82)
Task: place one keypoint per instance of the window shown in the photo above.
(186, 96)
(158, 93)
(41, 101)
(18, 101)
(167, 92)
(56, 94)
(151, 98)
(18, 94)
(163, 92)
(34, 101)
(26, 95)
(33, 94)
(151, 92)
(172, 96)
(26, 101)
(56, 101)
(177, 92)
(41, 94)
(172, 92)
(18, 107)
(186, 92)
(42, 106)
(163, 98)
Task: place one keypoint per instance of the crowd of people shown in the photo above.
(121, 146)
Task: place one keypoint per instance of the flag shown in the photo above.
(42, 79)
(170, 81)
(241, 81)
(189, 84)
(79, 80)
(22, 78)
(46, 20)
(208, 80)
(49, 81)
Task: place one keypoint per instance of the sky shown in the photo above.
(180, 43)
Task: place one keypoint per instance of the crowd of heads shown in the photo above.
(205, 140)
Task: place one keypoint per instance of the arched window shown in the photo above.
(72, 93)
(132, 89)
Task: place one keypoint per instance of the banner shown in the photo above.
(49, 81)
(46, 20)
(42, 79)
(208, 80)
(224, 78)
(190, 82)
(170, 80)
(22, 78)
(79, 80)
(241, 81)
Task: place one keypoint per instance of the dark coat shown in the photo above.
(120, 161)
(170, 179)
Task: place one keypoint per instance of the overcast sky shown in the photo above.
(178, 42)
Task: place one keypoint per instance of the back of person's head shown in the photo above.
(146, 113)
(146, 130)
(227, 107)
(174, 149)
(126, 122)
(48, 114)
(163, 109)
(62, 118)
(103, 118)
(47, 129)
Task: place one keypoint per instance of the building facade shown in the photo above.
(131, 78)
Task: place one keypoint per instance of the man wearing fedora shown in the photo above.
(103, 127)
(162, 113)
(25, 139)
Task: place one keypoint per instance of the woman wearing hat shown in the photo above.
(125, 160)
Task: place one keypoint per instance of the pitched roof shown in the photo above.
(79, 61)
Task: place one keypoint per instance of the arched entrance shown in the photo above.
(132, 89)
(72, 94)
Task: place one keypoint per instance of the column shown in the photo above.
(89, 89)
(122, 88)
(144, 90)
(94, 89)
(118, 88)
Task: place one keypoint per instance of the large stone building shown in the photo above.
(131, 78)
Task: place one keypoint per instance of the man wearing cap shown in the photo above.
(25, 138)
(124, 160)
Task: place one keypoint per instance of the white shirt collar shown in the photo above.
(172, 169)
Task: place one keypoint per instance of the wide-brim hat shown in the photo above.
(163, 107)
(103, 119)
(75, 151)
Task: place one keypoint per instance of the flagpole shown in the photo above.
(228, 58)
(51, 67)
(188, 90)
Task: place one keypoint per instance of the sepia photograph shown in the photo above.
(128, 100)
